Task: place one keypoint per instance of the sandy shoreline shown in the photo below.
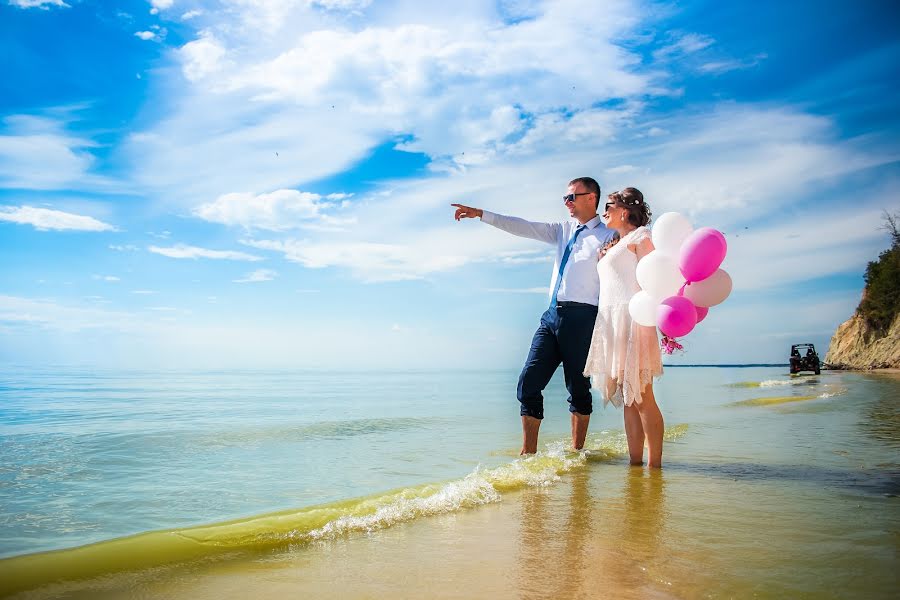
(562, 541)
(885, 370)
(604, 531)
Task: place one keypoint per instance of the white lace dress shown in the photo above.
(624, 356)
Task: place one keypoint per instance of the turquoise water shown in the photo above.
(86, 457)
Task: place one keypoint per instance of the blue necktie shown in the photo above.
(562, 263)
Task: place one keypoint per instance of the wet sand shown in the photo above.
(604, 531)
(563, 541)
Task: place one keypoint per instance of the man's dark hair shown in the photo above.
(590, 185)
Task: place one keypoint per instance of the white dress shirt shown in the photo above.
(580, 282)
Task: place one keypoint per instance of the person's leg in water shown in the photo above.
(576, 326)
(543, 359)
(652, 422)
(634, 433)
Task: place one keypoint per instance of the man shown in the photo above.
(564, 333)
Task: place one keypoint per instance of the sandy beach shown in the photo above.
(602, 531)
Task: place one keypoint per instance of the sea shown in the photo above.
(408, 484)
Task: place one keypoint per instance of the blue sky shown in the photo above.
(266, 183)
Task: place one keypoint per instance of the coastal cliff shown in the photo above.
(871, 338)
(855, 345)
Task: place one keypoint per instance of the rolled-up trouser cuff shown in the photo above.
(585, 406)
(530, 410)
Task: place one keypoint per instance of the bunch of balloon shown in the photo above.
(680, 279)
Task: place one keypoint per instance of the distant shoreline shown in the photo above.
(732, 366)
(880, 370)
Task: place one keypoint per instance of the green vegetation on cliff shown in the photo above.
(881, 301)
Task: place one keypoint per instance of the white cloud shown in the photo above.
(800, 249)
(458, 84)
(532, 290)
(742, 157)
(368, 261)
(687, 50)
(51, 315)
(145, 35)
(162, 4)
(723, 66)
(111, 278)
(342, 5)
(143, 292)
(124, 247)
(523, 257)
(721, 168)
(258, 276)
(42, 4)
(240, 142)
(38, 153)
(203, 57)
(276, 211)
(191, 14)
(193, 252)
(45, 219)
(620, 169)
(686, 44)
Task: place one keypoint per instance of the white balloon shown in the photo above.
(711, 291)
(642, 308)
(669, 231)
(658, 275)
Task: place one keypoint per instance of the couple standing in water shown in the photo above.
(587, 326)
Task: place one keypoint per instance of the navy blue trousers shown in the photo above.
(564, 336)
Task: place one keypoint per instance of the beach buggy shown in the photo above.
(804, 358)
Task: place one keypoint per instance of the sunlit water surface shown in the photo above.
(772, 487)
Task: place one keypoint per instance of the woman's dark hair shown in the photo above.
(633, 201)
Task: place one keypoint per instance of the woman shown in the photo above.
(625, 356)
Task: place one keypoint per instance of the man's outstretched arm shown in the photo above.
(543, 232)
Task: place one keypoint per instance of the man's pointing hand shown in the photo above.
(466, 212)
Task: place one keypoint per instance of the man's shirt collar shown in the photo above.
(593, 223)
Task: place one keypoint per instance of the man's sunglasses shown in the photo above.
(571, 197)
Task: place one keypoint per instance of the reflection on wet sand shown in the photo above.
(635, 531)
(644, 507)
(585, 542)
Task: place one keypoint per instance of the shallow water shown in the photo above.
(794, 496)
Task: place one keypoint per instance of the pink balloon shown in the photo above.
(702, 311)
(701, 254)
(676, 316)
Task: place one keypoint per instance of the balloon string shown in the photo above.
(681, 291)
